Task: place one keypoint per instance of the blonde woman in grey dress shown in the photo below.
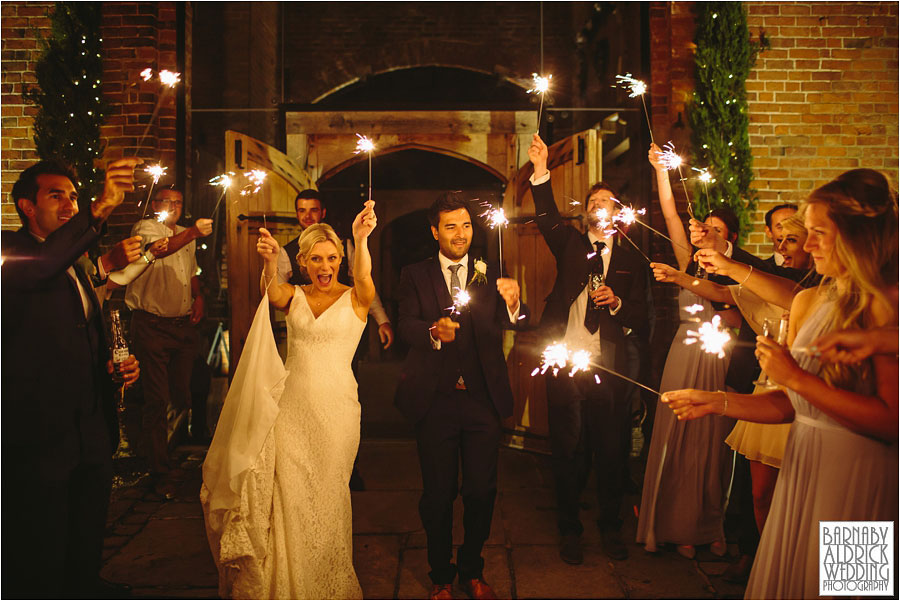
(841, 457)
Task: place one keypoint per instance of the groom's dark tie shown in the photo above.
(455, 286)
(592, 313)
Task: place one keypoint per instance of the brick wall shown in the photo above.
(20, 52)
(135, 35)
(823, 99)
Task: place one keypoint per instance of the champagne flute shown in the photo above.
(777, 330)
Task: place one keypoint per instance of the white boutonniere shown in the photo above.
(480, 269)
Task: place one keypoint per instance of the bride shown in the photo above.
(275, 483)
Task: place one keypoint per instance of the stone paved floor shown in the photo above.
(160, 548)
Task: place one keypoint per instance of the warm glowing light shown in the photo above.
(668, 158)
(364, 144)
(224, 180)
(581, 361)
(162, 216)
(693, 309)
(495, 218)
(460, 299)
(147, 74)
(169, 78)
(555, 357)
(705, 176)
(711, 336)
(155, 171)
(257, 177)
(636, 86)
(539, 85)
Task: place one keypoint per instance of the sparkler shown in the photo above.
(168, 79)
(557, 356)
(223, 180)
(637, 88)
(693, 309)
(366, 145)
(540, 85)
(705, 177)
(711, 336)
(162, 216)
(496, 218)
(257, 177)
(460, 301)
(671, 161)
(155, 171)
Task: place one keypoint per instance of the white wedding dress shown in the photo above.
(289, 533)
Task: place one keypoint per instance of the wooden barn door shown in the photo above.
(575, 164)
(245, 212)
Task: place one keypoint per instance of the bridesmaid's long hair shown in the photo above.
(863, 206)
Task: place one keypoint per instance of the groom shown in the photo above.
(454, 387)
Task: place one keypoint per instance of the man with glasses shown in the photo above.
(166, 302)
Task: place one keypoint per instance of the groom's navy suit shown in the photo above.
(455, 418)
(589, 422)
(59, 420)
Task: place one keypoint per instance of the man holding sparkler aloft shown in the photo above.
(455, 388)
(600, 293)
(166, 301)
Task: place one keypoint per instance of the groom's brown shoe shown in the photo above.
(477, 588)
(441, 591)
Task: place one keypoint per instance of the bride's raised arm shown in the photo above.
(280, 295)
(363, 286)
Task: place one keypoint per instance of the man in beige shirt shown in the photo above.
(166, 302)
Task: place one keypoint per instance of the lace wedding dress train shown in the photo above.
(288, 532)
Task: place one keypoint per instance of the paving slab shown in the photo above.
(386, 511)
(662, 575)
(541, 574)
(390, 465)
(179, 509)
(166, 553)
(521, 469)
(377, 562)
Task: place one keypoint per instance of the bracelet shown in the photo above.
(741, 285)
(725, 408)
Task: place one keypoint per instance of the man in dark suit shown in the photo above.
(589, 421)
(60, 427)
(455, 388)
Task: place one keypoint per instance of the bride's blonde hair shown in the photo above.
(863, 207)
(318, 232)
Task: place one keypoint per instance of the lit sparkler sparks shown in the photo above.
(224, 180)
(705, 177)
(256, 177)
(671, 160)
(540, 85)
(147, 74)
(581, 361)
(162, 216)
(711, 336)
(155, 171)
(557, 356)
(460, 301)
(693, 309)
(636, 88)
(366, 145)
(496, 218)
(169, 78)
(554, 357)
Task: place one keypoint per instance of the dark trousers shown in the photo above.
(53, 529)
(590, 423)
(165, 348)
(458, 427)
